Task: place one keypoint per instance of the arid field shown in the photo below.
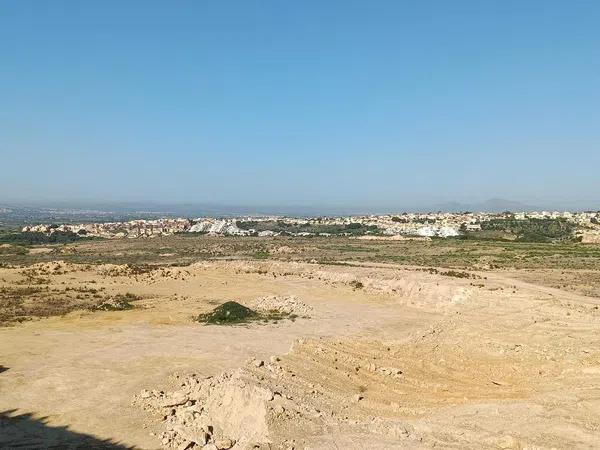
(357, 344)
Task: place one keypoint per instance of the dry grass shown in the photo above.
(22, 303)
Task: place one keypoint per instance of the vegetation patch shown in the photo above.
(280, 226)
(117, 303)
(228, 313)
(261, 255)
(10, 250)
(22, 303)
(357, 284)
(450, 273)
(274, 315)
(459, 274)
(525, 230)
(34, 238)
(232, 313)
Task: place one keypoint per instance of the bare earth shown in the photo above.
(382, 357)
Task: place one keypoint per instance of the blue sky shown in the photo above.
(346, 103)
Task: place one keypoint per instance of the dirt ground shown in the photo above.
(382, 356)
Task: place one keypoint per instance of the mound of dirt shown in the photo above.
(218, 411)
(124, 270)
(264, 405)
(228, 313)
(173, 273)
(373, 393)
(287, 305)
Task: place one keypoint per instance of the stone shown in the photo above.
(224, 444)
(145, 393)
(185, 445)
(178, 398)
(187, 416)
(507, 442)
(200, 437)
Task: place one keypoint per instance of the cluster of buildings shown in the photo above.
(132, 229)
(212, 226)
(406, 224)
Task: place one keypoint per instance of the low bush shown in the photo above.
(232, 313)
(228, 313)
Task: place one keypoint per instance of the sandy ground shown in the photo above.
(408, 359)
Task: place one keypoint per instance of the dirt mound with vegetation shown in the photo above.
(232, 313)
(228, 313)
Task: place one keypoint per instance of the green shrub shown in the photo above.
(228, 313)
(232, 313)
(357, 284)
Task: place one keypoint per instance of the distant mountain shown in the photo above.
(493, 205)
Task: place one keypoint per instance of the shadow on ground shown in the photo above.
(23, 431)
(3, 369)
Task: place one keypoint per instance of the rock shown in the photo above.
(196, 435)
(259, 363)
(185, 445)
(269, 395)
(357, 398)
(507, 441)
(210, 447)
(178, 398)
(187, 416)
(224, 444)
(199, 437)
(145, 393)
(279, 409)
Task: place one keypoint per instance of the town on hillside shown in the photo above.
(580, 226)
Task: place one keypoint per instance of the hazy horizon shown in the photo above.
(381, 105)
(190, 209)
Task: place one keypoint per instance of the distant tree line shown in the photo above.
(34, 238)
(279, 226)
(526, 230)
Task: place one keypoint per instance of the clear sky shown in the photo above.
(313, 102)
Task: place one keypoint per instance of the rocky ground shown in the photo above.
(378, 357)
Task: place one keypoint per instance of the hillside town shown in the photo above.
(440, 224)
